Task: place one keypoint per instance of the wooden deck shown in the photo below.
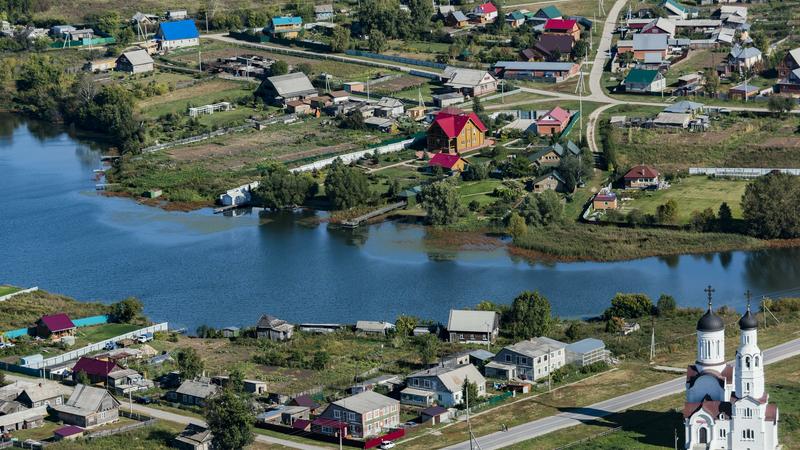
(353, 223)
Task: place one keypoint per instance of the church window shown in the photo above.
(722, 432)
(748, 412)
(746, 388)
(756, 361)
(748, 435)
(747, 362)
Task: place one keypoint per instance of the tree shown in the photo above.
(125, 311)
(279, 67)
(530, 316)
(771, 206)
(353, 121)
(725, 217)
(712, 81)
(573, 171)
(630, 306)
(668, 212)
(428, 346)
(394, 189)
(230, 420)
(475, 172)
(442, 202)
(346, 187)
(189, 363)
(542, 209)
(761, 42)
(518, 167)
(469, 391)
(666, 305)
(780, 104)
(704, 220)
(279, 188)
(405, 325)
(236, 380)
(83, 378)
(477, 107)
(340, 39)
(516, 225)
(575, 331)
(421, 13)
(378, 42)
(579, 51)
(614, 325)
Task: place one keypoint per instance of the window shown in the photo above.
(368, 415)
(337, 414)
(508, 357)
(426, 383)
(748, 412)
(351, 416)
(722, 432)
(748, 435)
(415, 382)
(756, 361)
(747, 362)
(747, 388)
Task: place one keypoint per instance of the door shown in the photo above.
(703, 436)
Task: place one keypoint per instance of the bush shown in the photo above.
(629, 306)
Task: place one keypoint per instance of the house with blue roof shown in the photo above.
(177, 34)
(285, 26)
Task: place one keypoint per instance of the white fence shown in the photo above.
(355, 156)
(97, 346)
(24, 291)
(738, 172)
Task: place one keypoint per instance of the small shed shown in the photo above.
(68, 433)
(435, 414)
(230, 332)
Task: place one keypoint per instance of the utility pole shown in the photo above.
(579, 89)
(653, 342)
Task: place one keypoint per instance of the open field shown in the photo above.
(694, 193)
(203, 93)
(6, 289)
(586, 8)
(654, 425)
(735, 141)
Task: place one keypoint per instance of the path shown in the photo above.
(309, 54)
(576, 416)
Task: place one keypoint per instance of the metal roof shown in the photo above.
(537, 346)
(535, 65)
(179, 29)
(683, 106)
(22, 416)
(365, 402)
(291, 83)
(471, 321)
(650, 41)
(138, 57)
(452, 377)
(87, 398)
(460, 77)
(199, 389)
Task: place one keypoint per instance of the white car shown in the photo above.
(387, 444)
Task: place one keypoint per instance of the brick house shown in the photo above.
(641, 177)
(553, 122)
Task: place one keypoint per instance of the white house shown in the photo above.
(534, 359)
(442, 385)
(239, 195)
(178, 34)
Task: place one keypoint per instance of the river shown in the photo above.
(199, 268)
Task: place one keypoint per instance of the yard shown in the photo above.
(199, 94)
(25, 309)
(694, 193)
(740, 140)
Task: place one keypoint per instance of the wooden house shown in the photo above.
(448, 162)
(567, 27)
(55, 326)
(88, 407)
(455, 131)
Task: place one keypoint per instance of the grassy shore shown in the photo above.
(582, 242)
(25, 309)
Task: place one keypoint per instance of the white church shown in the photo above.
(726, 405)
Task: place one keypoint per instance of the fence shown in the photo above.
(97, 346)
(23, 291)
(490, 402)
(370, 443)
(355, 156)
(397, 59)
(84, 322)
(738, 172)
(122, 429)
(82, 42)
(24, 370)
(198, 138)
(571, 124)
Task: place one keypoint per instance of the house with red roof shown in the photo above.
(485, 13)
(563, 26)
(97, 370)
(448, 162)
(55, 326)
(642, 177)
(455, 131)
(553, 122)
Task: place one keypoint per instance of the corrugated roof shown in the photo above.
(535, 65)
(589, 344)
(87, 398)
(290, 84)
(460, 77)
(551, 12)
(471, 321)
(444, 160)
(287, 20)
(453, 120)
(452, 377)
(560, 24)
(179, 29)
(22, 416)
(138, 57)
(96, 367)
(57, 322)
(459, 16)
(641, 172)
(641, 76)
(537, 346)
(199, 389)
(365, 401)
(650, 41)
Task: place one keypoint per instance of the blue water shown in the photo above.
(199, 268)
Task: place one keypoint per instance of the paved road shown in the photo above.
(577, 416)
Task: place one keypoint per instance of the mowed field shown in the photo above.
(201, 93)
(694, 193)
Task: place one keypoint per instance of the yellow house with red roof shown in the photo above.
(454, 131)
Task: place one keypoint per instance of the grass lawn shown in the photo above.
(25, 309)
(586, 8)
(653, 425)
(6, 289)
(88, 335)
(694, 193)
(203, 93)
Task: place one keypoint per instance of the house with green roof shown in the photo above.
(515, 19)
(548, 12)
(675, 8)
(641, 81)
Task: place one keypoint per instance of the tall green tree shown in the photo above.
(279, 67)
(126, 311)
(346, 187)
(441, 202)
(469, 392)
(516, 225)
(378, 42)
(405, 325)
(280, 188)
(189, 363)
(668, 212)
(428, 346)
(230, 419)
(666, 305)
(771, 206)
(542, 209)
(629, 306)
(421, 13)
(725, 217)
(340, 39)
(530, 316)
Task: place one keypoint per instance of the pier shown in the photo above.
(353, 223)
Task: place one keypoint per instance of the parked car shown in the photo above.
(387, 444)
(147, 337)
(110, 346)
(145, 400)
